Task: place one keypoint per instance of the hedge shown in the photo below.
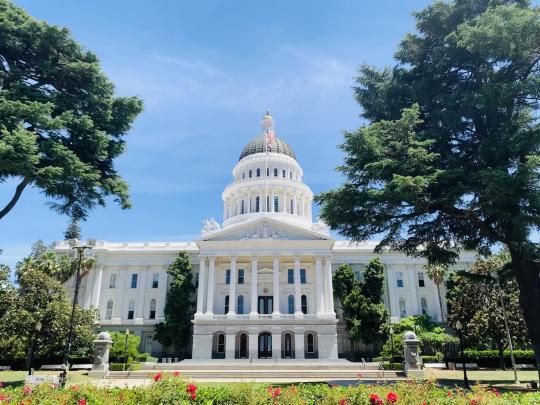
(120, 366)
(169, 389)
(490, 358)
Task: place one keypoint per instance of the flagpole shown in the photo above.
(266, 171)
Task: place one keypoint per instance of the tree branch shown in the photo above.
(13, 201)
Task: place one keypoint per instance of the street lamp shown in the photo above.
(125, 350)
(392, 346)
(495, 275)
(65, 363)
(37, 329)
(459, 327)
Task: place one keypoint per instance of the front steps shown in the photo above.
(267, 371)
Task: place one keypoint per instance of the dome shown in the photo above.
(257, 145)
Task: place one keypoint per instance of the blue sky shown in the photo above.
(207, 71)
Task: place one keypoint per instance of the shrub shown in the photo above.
(490, 358)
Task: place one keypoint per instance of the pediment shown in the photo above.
(265, 229)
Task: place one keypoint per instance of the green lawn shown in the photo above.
(16, 378)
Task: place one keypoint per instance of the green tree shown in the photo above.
(364, 312)
(119, 344)
(61, 127)
(449, 157)
(175, 330)
(343, 281)
(436, 273)
(474, 300)
(40, 297)
(73, 230)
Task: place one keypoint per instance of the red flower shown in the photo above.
(343, 401)
(27, 390)
(474, 402)
(424, 403)
(193, 396)
(158, 376)
(82, 402)
(176, 373)
(496, 392)
(375, 399)
(3, 397)
(274, 393)
(191, 388)
(449, 393)
(1, 384)
(391, 397)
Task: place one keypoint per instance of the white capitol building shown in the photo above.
(264, 276)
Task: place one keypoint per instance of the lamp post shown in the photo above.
(125, 349)
(37, 329)
(80, 251)
(391, 346)
(459, 327)
(495, 275)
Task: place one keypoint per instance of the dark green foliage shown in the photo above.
(73, 230)
(61, 127)
(343, 281)
(364, 312)
(450, 155)
(175, 330)
(491, 358)
(119, 345)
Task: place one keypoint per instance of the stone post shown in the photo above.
(411, 354)
(102, 345)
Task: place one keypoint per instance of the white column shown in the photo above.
(232, 287)
(202, 285)
(248, 205)
(297, 287)
(276, 345)
(122, 285)
(230, 346)
(272, 202)
(97, 288)
(210, 286)
(295, 205)
(141, 286)
(299, 345)
(414, 298)
(254, 287)
(319, 285)
(276, 311)
(329, 288)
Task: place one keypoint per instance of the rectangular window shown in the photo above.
(134, 278)
(303, 276)
(155, 280)
(357, 275)
(421, 280)
(130, 314)
(112, 282)
(228, 276)
(241, 276)
(399, 279)
(284, 173)
(152, 314)
(290, 276)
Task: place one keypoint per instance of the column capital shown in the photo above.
(318, 258)
(275, 256)
(327, 257)
(203, 257)
(254, 258)
(212, 259)
(233, 258)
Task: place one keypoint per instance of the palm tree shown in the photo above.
(436, 273)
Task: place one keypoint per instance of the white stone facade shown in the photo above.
(264, 275)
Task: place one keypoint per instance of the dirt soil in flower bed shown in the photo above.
(173, 389)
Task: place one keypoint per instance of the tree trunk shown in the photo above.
(527, 273)
(15, 198)
(440, 301)
(500, 349)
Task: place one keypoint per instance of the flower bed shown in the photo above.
(173, 389)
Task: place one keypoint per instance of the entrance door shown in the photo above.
(243, 346)
(265, 346)
(266, 305)
(288, 346)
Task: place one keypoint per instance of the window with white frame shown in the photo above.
(108, 311)
(424, 306)
(421, 279)
(258, 172)
(275, 172)
(290, 276)
(290, 304)
(155, 280)
(303, 279)
(226, 304)
(131, 309)
(402, 308)
(240, 276)
(284, 173)
(399, 279)
(134, 279)
(240, 305)
(112, 281)
(276, 204)
(152, 314)
(228, 276)
(303, 303)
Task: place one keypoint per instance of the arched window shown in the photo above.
(250, 174)
(284, 173)
(304, 304)
(242, 208)
(152, 309)
(290, 175)
(108, 312)
(257, 204)
(267, 172)
(310, 343)
(131, 309)
(258, 172)
(267, 207)
(402, 308)
(240, 306)
(221, 343)
(292, 206)
(276, 204)
(423, 304)
(290, 302)
(275, 172)
(226, 304)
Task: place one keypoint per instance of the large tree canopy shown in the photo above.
(450, 155)
(61, 127)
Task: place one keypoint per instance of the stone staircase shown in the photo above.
(264, 370)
